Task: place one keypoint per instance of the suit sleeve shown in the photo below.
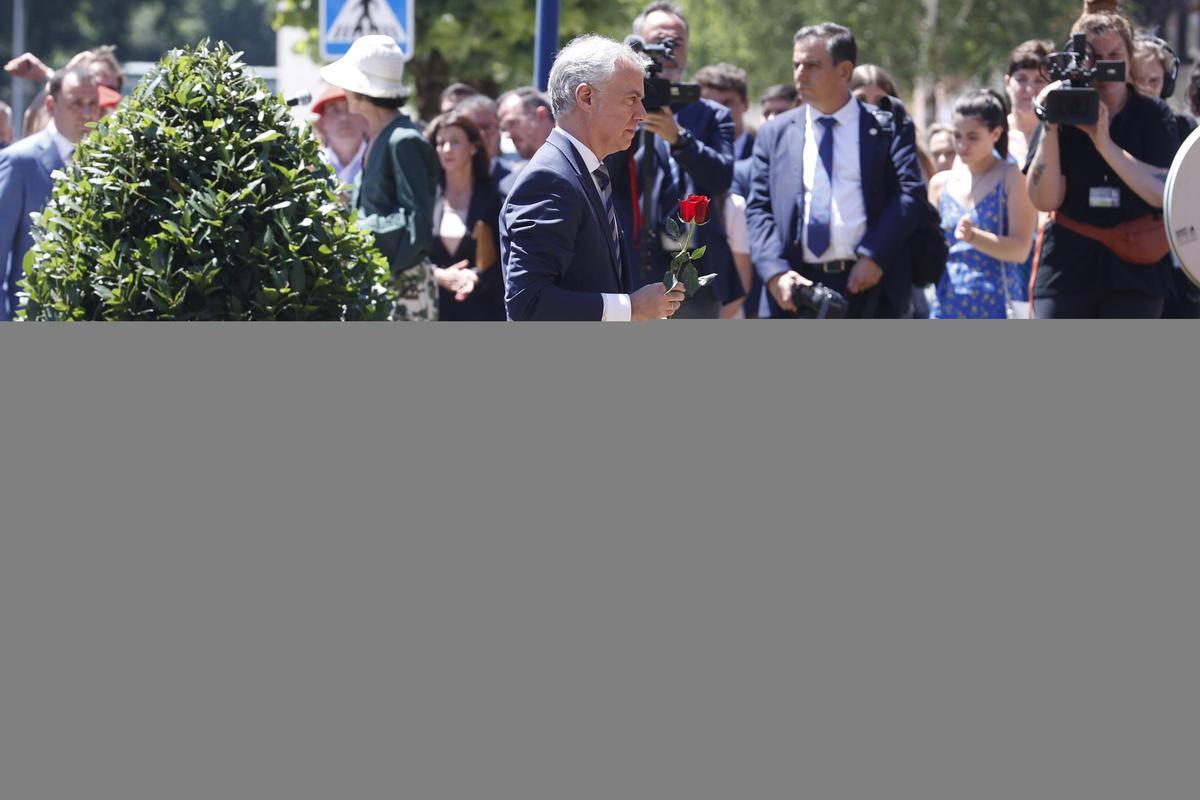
(11, 202)
(709, 158)
(539, 230)
(885, 240)
(405, 235)
(762, 224)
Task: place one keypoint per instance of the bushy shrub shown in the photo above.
(198, 199)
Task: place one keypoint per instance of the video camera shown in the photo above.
(1077, 102)
(661, 92)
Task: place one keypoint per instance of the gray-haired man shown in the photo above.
(560, 245)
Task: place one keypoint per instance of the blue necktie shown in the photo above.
(822, 192)
(601, 173)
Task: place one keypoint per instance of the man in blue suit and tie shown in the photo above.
(834, 195)
(25, 168)
(560, 243)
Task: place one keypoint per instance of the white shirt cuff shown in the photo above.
(617, 308)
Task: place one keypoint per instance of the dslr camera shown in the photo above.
(1077, 102)
(818, 302)
(661, 92)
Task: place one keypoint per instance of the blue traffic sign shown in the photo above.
(343, 21)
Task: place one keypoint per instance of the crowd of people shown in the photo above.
(821, 207)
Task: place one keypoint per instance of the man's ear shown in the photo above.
(50, 104)
(845, 70)
(585, 95)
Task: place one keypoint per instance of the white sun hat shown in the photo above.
(373, 66)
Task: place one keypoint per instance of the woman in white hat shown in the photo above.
(395, 192)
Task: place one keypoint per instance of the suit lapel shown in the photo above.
(588, 185)
(797, 136)
(869, 141)
(49, 154)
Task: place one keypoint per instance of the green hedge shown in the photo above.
(198, 199)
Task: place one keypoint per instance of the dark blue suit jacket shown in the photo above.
(25, 186)
(705, 167)
(892, 187)
(555, 246)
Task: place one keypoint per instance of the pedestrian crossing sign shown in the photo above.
(343, 21)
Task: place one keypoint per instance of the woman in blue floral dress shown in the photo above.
(986, 214)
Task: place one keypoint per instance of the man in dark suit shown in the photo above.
(687, 150)
(25, 169)
(560, 243)
(726, 84)
(834, 195)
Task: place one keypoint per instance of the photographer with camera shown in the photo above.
(685, 147)
(1100, 167)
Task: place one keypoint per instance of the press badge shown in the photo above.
(1105, 197)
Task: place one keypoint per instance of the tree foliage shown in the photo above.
(965, 41)
(198, 199)
(489, 43)
(142, 29)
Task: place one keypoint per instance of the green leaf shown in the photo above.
(297, 278)
(691, 279)
(669, 280)
(266, 136)
(674, 228)
(699, 252)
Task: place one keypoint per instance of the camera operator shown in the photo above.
(1101, 181)
(682, 150)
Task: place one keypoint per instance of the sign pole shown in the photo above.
(547, 42)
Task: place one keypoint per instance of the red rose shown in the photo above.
(694, 209)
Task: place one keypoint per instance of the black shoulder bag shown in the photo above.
(927, 245)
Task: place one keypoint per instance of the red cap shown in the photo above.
(109, 98)
(328, 96)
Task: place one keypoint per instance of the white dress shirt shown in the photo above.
(65, 147)
(848, 212)
(347, 172)
(617, 307)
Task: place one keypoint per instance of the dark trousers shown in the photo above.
(1099, 305)
(1185, 302)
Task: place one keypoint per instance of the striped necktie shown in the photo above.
(602, 179)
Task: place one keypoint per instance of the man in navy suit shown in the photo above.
(834, 195)
(686, 150)
(25, 168)
(560, 243)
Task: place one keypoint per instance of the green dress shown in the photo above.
(394, 197)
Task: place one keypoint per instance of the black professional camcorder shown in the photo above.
(1077, 102)
(661, 92)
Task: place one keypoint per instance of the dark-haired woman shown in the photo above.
(466, 237)
(1025, 79)
(394, 196)
(986, 214)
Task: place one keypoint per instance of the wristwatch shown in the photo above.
(685, 139)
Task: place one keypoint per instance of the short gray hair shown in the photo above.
(589, 59)
(666, 7)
